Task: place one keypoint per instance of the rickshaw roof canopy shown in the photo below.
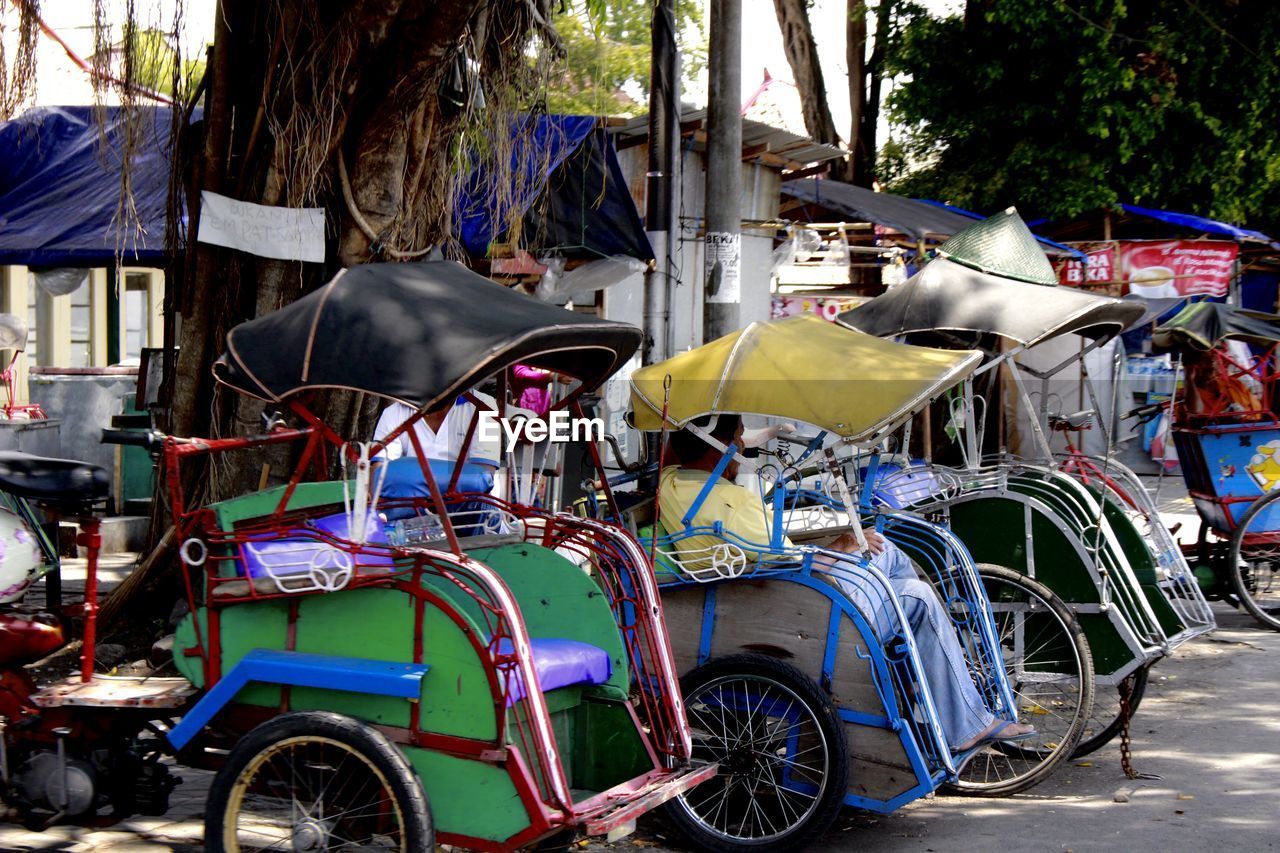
(420, 333)
(945, 296)
(1154, 307)
(801, 368)
(1002, 245)
(1204, 325)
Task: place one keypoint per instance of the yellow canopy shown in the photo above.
(802, 368)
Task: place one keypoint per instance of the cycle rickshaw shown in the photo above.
(1102, 550)
(504, 677)
(1227, 433)
(777, 632)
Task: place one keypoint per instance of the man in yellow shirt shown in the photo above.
(966, 720)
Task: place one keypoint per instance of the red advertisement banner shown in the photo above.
(1178, 267)
(1154, 268)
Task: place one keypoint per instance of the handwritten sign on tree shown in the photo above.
(283, 233)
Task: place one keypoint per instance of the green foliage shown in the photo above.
(607, 52)
(153, 57)
(1062, 106)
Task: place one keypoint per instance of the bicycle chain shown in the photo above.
(1126, 713)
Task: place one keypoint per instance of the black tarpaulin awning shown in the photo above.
(1204, 325)
(945, 296)
(915, 219)
(918, 220)
(419, 333)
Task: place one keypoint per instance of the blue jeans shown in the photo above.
(961, 708)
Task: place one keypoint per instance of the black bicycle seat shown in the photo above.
(1075, 420)
(52, 481)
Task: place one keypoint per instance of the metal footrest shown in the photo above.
(614, 812)
(115, 691)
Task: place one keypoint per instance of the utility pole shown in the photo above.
(664, 141)
(723, 241)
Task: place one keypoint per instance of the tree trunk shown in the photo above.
(293, 90)
(359, 83)
(861, 160)
(802, 56)
(875, 78)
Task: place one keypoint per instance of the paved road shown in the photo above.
(1210, 726)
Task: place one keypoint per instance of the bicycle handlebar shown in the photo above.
(1149, 412)
(150, 440)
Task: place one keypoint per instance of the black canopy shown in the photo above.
(1204, 325)
(418, 333)
(916, 219)
(945, 296)
(1154, 307)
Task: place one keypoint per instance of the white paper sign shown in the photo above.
(284, 233)
(723, 258)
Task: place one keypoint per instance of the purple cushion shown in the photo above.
(562, 663)
(290, 556)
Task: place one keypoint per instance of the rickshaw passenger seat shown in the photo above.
(562, 663)
(899, 486)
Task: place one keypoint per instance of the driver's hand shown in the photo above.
(875, 542)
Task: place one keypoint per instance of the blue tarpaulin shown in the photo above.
(1198, 223)
(60, 191)
(572, 196)
(60, 188)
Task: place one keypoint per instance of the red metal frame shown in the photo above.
(618, 562)
(1263, 369)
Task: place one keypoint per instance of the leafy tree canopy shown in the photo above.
(1062, 106)
(154, 58)
(605, 69)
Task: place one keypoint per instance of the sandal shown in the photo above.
(1000, 730)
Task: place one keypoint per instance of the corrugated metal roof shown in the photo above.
(760, 142)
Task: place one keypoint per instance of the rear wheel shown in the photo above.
(314, 780)
(784, 760)
(1050, 671)
(1254, 560)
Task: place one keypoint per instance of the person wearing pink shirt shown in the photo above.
(532, 388)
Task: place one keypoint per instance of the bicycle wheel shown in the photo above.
(784, 760)
(1050, 671)
(315, 780)
(1106, 720)
(1254, 560)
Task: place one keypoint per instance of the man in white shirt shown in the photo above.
(440, 433)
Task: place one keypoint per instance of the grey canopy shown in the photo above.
(946, 296)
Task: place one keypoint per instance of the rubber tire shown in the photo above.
(1233, 562)
(1109, 733)
(419, 831)
(819, 704)
(1066, 750)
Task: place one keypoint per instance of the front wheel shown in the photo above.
(1254, 560)
(315, 780)
(784, 759)
(1050, 672)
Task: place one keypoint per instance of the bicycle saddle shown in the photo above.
(1075, 420)
(52, 481)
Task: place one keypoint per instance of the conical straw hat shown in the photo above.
(1001, 245)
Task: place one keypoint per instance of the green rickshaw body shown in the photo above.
(450, 732)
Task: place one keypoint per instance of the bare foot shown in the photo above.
(998, 730)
